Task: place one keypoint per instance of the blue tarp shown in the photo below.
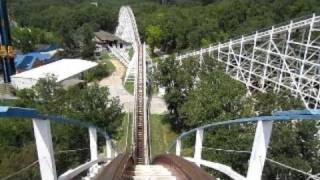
(49, 48)
(26, 61)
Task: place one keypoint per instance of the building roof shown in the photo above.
(106, 36)
(62, 69)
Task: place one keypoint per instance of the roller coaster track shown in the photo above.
(140, 152)
(141, 149)
(237, 55)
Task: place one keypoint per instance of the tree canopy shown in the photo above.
(197, 96)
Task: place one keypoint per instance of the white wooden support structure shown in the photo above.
(178, 147)
(284, 63)
(198, 146)
(42, 133)
(219, 167)
(259, 150)
(267, 59)
(252, 59)
(201, 57)
(240, 58)
(279, 59)
(93, 149)
(93, 143)
(108, 149)
(229, 55)
(70, 174)
(219, 51)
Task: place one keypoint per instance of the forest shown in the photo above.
(168, 26)
(174, 26)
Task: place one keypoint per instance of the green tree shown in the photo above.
(87, 44)
(23, 39)
(266, 103)
(93, 104)
(216, 97)
(86, 103)
(153, 36)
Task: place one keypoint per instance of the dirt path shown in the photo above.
(116, 89)
(120, 69)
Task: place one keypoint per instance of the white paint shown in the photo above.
(108, 148)
(76, 171)
(264, 64)
(121, 55)
(62, 70)
(145, 108)
(198, 146)
(219, 167)
(42, 133)
(128, 31)
(259, 150)
(93, 144)
(178, 147)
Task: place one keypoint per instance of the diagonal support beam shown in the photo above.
(42, 133)
(108, 148)
(259, 149)
(93, 143)
(198, 146)
(178, 147)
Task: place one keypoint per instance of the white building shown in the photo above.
(65, 70)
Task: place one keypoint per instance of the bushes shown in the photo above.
(99, 72)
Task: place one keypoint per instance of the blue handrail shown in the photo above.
(18, 112)
(302, 115)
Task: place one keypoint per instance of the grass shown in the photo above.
(129, 86)
(125, 134)
(161, 134)
(130, 52)
(104, 69)
(160, 131)
(106, 59)
(154, 90)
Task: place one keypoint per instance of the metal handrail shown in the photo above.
(18, 112)
(76, 171)
(280, 116)
(43, 138)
